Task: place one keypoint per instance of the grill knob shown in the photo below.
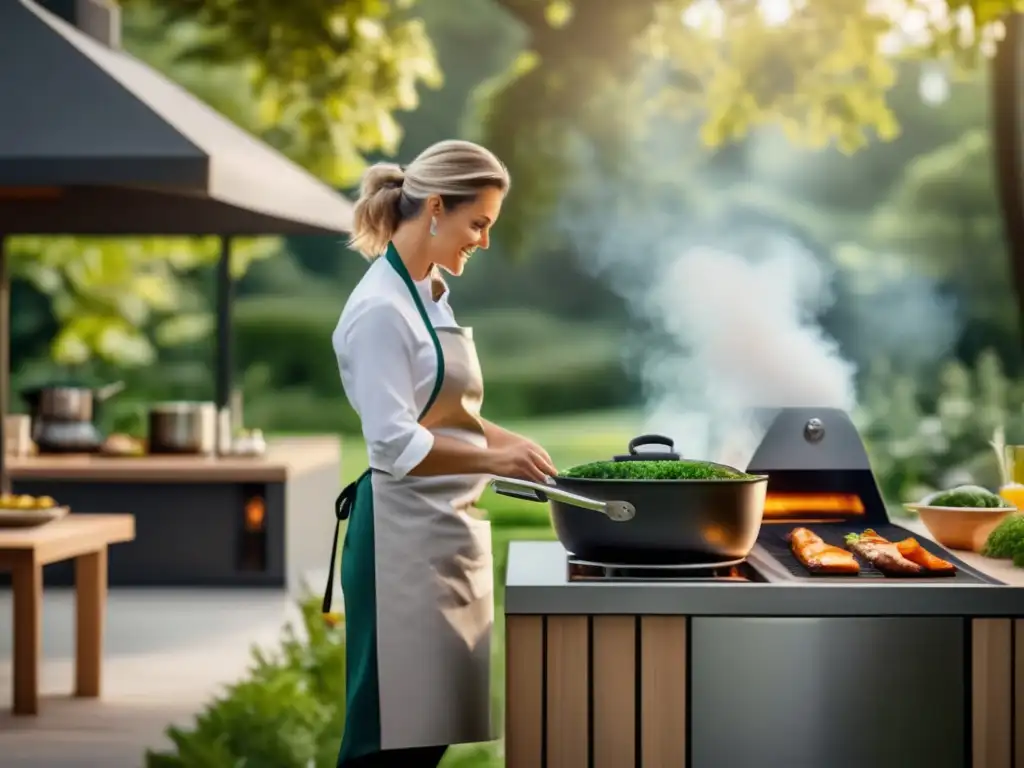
(814, 431)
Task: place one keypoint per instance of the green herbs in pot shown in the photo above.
(1007, 540)
(653, 470)
(968, 496)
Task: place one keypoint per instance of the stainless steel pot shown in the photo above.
(655, 522)
(183, 427)
(67, 403)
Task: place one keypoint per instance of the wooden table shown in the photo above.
(24, 552)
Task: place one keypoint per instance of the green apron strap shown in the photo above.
(396, 261)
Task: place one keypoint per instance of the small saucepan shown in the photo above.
(668, 511)
(67, 402)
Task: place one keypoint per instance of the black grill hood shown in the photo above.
(808, 439)
(93, 141)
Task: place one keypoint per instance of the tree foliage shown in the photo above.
(821, 71)
(113, 298)
(326, 78)
(322, 81)
(943, 213)
(329, 75)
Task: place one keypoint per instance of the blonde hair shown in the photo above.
(454, 170)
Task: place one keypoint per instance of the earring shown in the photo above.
(433, 226)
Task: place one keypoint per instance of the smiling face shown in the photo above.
(462, 229)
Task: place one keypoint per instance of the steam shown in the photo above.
(728, 305)
(746, 337)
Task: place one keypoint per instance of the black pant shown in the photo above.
(418, 757)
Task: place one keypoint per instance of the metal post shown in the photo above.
(5, 360)
(224, 363)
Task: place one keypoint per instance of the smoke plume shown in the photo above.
(728, 303)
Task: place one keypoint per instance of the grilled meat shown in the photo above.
(817, 556)
(882, 554)
(911, 549)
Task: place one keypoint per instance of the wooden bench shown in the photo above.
(24, 552)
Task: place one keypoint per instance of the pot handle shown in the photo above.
(619, 511)
(636, 442)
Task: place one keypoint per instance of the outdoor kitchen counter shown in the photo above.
(203, 522)
(648, 674)
(285, 457)
(537, 583)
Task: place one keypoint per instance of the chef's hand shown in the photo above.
(523, 460)
(542, 452)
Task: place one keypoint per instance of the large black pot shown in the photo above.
(650, 522)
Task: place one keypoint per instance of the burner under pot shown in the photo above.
(734, 571)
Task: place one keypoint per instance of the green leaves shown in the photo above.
(114, 297)
(325, 77)
(287, 713)
(822, 72)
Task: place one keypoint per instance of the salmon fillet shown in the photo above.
(911, 549)
(817, 556)
(882, 554)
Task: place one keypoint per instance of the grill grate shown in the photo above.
(773, 540)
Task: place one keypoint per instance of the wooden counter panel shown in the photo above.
(284, 458)
(566, 689)
(991, 693)
(596, 691)
(524, 691)
(997, 695)
(1018, 693)
(663, 685)
(614, 690)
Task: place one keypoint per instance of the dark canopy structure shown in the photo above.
(94, 142)
(121, 149)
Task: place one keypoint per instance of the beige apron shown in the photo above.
(419, 630)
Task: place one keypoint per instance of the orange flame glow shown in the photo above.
(255, 513)
(823, 504)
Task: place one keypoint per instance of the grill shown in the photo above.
(820, 478)
(773, 543)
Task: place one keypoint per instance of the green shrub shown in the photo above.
(287, 713)
(922, 438)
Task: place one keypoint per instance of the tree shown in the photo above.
(944, 214)
(819, 70)
(323, 79)
(596, 70)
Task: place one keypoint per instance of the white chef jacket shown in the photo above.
(388, 364)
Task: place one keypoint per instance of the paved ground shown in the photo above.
(168, 651)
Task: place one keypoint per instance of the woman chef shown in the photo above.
(416, 563)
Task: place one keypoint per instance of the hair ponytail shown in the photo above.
(376, 214)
